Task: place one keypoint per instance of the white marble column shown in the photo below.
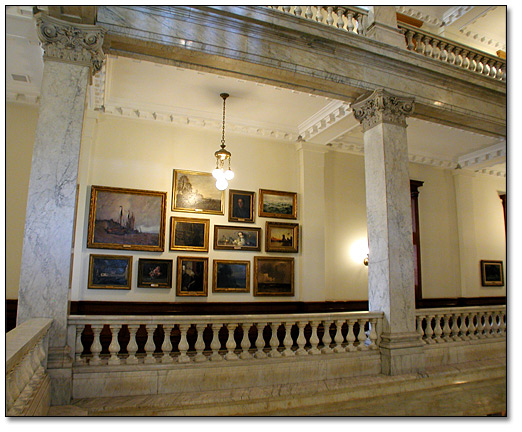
(312, 218)
(391, 287)
(382, 26)
(71, 53)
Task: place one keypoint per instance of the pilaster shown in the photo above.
(391, 287)
(71, 54)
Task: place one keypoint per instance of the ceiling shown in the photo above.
(139, 89)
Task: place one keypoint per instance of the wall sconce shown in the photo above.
(366, 260)
(359, 252)
(222, 155)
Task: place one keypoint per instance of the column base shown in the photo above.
(401, 353)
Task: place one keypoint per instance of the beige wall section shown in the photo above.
(20, 126)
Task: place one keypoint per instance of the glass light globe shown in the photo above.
(229, 175)
(221, 184)
(217, 173)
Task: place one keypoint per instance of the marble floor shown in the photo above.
(470, 389)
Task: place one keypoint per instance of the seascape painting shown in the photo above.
(273, 276)
(110, 272)
(277, 204)
(282, 237)
(196, 192)
(126, 219)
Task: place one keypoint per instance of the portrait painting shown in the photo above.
(241, 206)
(154, 273)
(237, 238)
(127, 219)
(273, 276)
(195, 191)
(231, 276)
(189, 234)
(282, 237)
(277, 204)
(110, 272)
(492, 273)
(192, 276)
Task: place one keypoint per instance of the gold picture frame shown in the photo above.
(492, 273)
(241, 206)
(228, 237)
(282, 237)
(277, 204)
(231, 276)
(192, 277)
(110, 272)
(273, 276)
(196, 192)
(189, 234)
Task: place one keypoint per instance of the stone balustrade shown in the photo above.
(131, 340)
(27, 383)
(438, 326)
(447, 51)
(349, 18)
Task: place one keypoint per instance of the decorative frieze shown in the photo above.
(382, 107)
(79, 43)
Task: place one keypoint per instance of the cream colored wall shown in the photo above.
(142, 154)
(20, 126)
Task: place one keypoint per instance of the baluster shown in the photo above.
(463, 327)
(350, 336)
(301, 340)
(338, 337)
(286, 9)
(114, 347)
(480, 325)
(339, 11)
(487, 327)
(149, 345)
(166, 346)
(245, 343)
(183, 343)
(132, 347)
(260, 341)
(274, 341)
(215, 345)
(96, 344)
(443, 53)
(350, 25)
(199, 346)
(438, 329)
(471, 326)
(78, 348)
(309, 13)
(450, 57)
(361, 24)
(485, 67)
(409, 40)
(420, 330)
(327, 338)
(429, 329)
(454, 327)
(435, 53)
(446, 329)
(231, 343)
(318, 14)
(427, 46)
(492, 70)
(458, 59)
(465, 59)
(472, 64)
(500, 70)
(287, 341)
(298, 10)
(496, 324)
(361, 337)
(478, 63)
(418, 45)
(329, 18)
(314, 339)
(373, 334)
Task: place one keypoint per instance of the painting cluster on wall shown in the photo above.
(131, 219)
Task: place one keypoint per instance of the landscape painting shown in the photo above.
(127, 219)
(231, 276)
(195, 191)
(277, 204)
(273, 276)
(189, 234)
(282, 237)
(110, 271)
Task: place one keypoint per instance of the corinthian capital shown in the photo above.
(382, 107)
(71, 43)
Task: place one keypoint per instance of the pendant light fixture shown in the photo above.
(221, 175)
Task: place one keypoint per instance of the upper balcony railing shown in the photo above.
(354, 21)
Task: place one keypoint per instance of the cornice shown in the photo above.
(323, 119)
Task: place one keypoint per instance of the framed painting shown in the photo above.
(273, 276)
(492, 273)
(282, 237)
(110, 272)
(195, 191)
(231, 276)
(127, 219)
(189, 234)
(241, 206)
(154, 273)
(192, 276)
(277, 204)
(237, 238)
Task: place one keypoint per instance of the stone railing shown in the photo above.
(27, 383)
(447, 51)
(131, 340)
(349, 18)
(461, 324)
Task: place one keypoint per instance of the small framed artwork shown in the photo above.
(237, 238)
(241, 206)
(154, 273)
(282, 237)
(110, 272)
(192, 276)
(231, 276)
(273, 276)
(195, 191)
(492, 273)
(127, 219)
(277, 204)
(189, 234)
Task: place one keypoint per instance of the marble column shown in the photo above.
(391, 286)
(312, 217)
(71, 53)
(382, 26)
